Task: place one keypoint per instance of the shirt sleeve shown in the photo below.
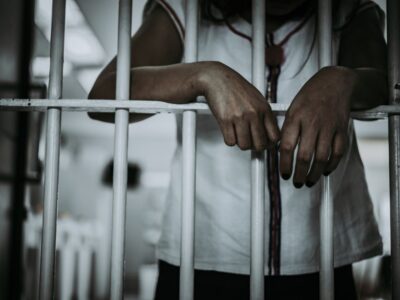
(346, 10)
(176, 10)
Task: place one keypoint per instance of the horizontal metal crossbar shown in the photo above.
(141, 106)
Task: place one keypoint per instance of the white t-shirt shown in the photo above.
(222, 226)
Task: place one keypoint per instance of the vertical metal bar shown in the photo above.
(393, 36)
(25, 17)
(46, 284)
(257, 159)
(186, 280)
(121, 150)
(326, 285)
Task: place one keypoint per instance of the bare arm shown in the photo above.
(317, 120)
(178, 83)
(156, 48)
(243, 114)
(363, 52)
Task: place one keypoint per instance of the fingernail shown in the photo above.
(285, 176)
(298, 185)
(309, 183)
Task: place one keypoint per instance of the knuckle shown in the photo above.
(286, 148)
(313, 122)
(321, 157)
(237, 117)
(225, 119)
(250, 114)
(337, 154)
(274, 139)
(320, 160)
(303, 157)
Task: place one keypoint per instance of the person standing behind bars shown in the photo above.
(315, 138)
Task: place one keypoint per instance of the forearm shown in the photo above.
(369, 88)
(363, 51)
(179, 83)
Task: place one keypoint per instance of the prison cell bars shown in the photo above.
(326, 278)
(121, 150)
(155, 107)
(54, 106)
(186, 275)
(46, 283)
(257, 160)
(393, 38)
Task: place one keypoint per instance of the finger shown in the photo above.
(243, 135)
(228, 132)
(338, 149)
(271, 126)
(258, 134)
(308, 138)
(321, 156)
(289, 137)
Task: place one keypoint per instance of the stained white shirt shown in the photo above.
(222, 226)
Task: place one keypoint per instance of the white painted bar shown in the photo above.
(326, 285)
(186, 280)
(154, 107)
(258, 160)
(46, 283)
(121, 150)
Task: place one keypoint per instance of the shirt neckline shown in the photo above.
(240, 26)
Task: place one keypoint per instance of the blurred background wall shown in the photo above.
(87, 145)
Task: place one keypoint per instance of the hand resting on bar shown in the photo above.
(244, 116)
(317, 119)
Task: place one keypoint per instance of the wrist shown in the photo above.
(345, 81)
(343, 75)
(350, 82)
(208, 73)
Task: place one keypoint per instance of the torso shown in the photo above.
(223, 177)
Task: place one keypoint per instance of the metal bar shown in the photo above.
(326, 277)
(393, 38)
(22, 12)
(121, 150)
(186, 279)
(46, 284)
(257, 159)
(153, 107)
